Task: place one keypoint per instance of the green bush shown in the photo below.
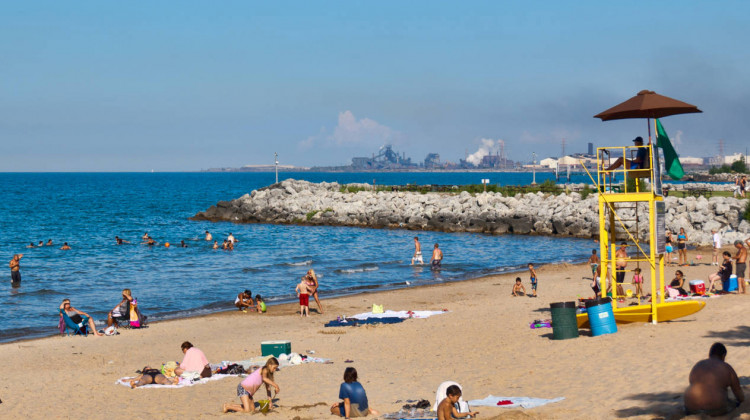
(311, 214)
(739, 165)
(585, 191)
(746, 214)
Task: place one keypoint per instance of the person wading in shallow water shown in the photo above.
(15, 270)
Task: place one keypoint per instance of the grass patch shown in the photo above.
(311, 214)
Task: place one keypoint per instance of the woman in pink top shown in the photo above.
(250, 385)
(193, 361)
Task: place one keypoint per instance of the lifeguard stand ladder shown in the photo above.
(639, 189)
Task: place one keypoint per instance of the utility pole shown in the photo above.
(533, 168)
(276, 164)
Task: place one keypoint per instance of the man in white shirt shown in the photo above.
(717, 247)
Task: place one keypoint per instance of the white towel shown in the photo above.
(524, 402)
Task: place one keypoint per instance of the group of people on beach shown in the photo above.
(125, 313)
(308, 286)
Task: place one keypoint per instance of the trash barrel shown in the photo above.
(564, 323)
(601, 317)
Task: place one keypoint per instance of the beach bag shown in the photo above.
(135, 320)
(167, 369)
(377, 309)
(206, 372)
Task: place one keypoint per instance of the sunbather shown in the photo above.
(193, 361)
(77, 316)
(150, 376)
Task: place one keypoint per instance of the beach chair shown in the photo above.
(72, 327)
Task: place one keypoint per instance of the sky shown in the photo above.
(191, 85)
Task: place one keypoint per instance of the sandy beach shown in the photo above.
(484, 342)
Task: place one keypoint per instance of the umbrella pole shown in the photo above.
(648, 123)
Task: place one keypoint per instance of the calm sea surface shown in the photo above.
(88, 210)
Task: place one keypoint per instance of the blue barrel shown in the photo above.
(601, 317)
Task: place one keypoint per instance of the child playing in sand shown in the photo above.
(260, 304)
(638, 281)
(518, 289)
(533, 278)
(252, 382)
(447, 409)
(303, 292)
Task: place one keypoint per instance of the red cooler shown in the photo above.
(698, 287)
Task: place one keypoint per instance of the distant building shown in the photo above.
(734, 158)
(591, 149)
(691, 161)
(432, 160)
(385, 159)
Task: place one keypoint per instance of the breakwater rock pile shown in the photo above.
(331, 204)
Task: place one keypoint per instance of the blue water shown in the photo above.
(88, 210)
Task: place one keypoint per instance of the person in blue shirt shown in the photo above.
(641, 158)
(353, 396)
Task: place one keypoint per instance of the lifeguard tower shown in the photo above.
(630, 196)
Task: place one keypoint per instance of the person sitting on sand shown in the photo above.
(678, 283)
(244, 300)
(250, 385)
(194, 361)
(65, 247)
(447, 408)
(724, 272)
(353, 396)
(121, 312)
(518, 289)
(77, 316)
(151, 376)
(709, 380)
(260, 304)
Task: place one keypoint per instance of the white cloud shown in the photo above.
(352, 132)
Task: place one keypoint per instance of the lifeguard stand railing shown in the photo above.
(621, 190)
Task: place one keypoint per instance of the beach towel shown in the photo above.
(183, 382)
(397, 314)
(523, 402)
(353, 322)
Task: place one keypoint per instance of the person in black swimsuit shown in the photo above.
(151, 376)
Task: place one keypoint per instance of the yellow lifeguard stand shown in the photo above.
(622, 208)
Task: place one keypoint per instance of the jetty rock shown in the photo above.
(568, 215)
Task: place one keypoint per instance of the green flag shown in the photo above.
(671, 160)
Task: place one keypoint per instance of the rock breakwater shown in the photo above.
(330, 204)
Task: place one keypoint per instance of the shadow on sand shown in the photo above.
(659, 405)
(739, 336)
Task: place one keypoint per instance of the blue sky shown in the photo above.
(180, 86)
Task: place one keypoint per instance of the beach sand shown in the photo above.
(484, 343)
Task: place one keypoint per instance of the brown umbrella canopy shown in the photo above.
(647, 104)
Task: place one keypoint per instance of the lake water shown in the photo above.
(87, 210)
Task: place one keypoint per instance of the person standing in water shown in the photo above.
(437, 258)
(208, 236)
(417, 252)
(15, 270)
